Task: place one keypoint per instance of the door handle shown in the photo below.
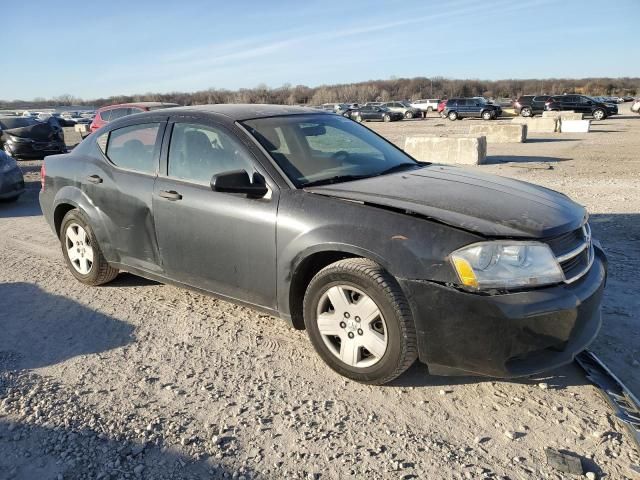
(94, 179)
(170, 195)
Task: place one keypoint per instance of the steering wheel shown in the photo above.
(340, 155)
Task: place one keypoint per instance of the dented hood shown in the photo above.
(487, 204)
(41, 132)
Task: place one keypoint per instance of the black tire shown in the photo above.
(599, 114)
(386, 117)
(487, 115)
(408, 115)
(382, 288)
(453, 116)
(101, 272)
(526, 112)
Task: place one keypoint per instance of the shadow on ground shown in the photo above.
(42, 329)
(497, 159)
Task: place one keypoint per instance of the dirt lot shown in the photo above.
(141, 380)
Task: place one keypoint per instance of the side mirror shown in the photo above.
(238, 181)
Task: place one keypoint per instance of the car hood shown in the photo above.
(41, 132)
(490, 205)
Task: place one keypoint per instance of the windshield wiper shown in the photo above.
(399, 168)
(335, 179)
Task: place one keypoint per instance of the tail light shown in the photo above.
(43, 175)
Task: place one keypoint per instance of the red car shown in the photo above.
(109, 113)
(441, 106)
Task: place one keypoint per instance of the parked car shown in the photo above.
(108, 114)
(374, 104)
(346, 110)
(530, 105)
(581, 104)
(26, 137)
(314, 218)
(372, 112)
(404, 108)
(471, 108)
(426, 105)
(635, 107)
(11, 179)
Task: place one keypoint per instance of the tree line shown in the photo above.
(369, 91)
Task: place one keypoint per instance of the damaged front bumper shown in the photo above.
(508, 335)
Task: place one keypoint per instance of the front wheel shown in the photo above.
(453, 116)
(486, 115)
(526, 112)
(599, 114)
(359, 321)
(82, 252)
(386, 117)
(408, 115)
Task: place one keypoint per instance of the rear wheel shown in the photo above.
(487, 115)
(408, 115)
(453, 116)
(386, 117)
(82, 252)
(599, 114)
(359, 321)
(526, 112)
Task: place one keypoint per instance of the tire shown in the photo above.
(487, 115)
(453, 116)
(526, 112)
(599, 114)
(376, 289)
(99, 272)
(408, 115)
(429, 109)
(386, 117)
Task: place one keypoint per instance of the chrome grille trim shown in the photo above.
(586, 245)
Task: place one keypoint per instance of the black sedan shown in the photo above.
(314, 218)
(374, 112)
(11, 179)
(26, 137)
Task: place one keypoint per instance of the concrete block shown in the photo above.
(81, 127)
(450, 149)
(538, 124)
(568, 115)
(575, 126)
(71, 136)
(500, 132)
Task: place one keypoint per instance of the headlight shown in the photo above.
(505, 264)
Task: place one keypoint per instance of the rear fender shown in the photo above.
(100, 224)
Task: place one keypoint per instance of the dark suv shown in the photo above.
(530, 105)
(581, 104)
(471, 107)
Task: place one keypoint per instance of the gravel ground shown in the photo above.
(142, 380)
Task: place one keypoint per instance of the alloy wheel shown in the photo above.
(79, 249)
(352, 326)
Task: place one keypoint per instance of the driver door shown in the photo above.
(220, 242)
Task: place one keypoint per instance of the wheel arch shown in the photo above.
(309, 264)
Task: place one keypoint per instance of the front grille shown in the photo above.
(574, 252)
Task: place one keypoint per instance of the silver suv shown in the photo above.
(403, 107)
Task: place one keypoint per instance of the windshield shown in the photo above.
(16, 122)
(322, 149)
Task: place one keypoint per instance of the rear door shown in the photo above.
(221, 242)
(121, 186)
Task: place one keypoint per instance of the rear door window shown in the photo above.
(106, 115)
(134, 147)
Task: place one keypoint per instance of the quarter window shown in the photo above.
(134, 147)
(198, 152)
(105, 115)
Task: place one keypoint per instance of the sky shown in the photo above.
(97, 49)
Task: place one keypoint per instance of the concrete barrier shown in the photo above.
(538, 124)
(500, 132)
(451, 149)
(568, 115)
(71, 136)
(81, 128)
(575, 126)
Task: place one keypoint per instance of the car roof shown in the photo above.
(137, 104)
(241, 111)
